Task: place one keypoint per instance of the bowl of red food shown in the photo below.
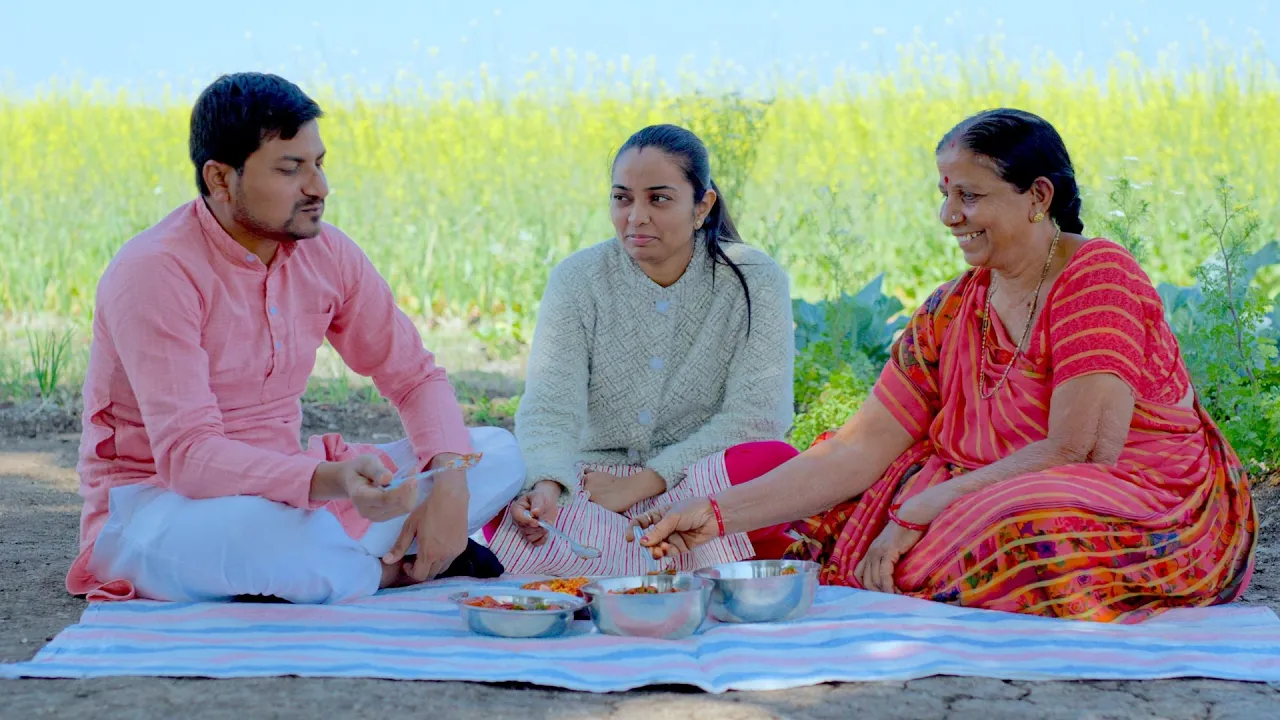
(517, 613)
(668, 607)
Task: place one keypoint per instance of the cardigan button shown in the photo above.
(662, 306)
(633, 455)
(645, 417)
(655, 363)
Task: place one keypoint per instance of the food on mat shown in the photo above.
(568, 586)
(644, 590)
(789, 571)
(487, 601)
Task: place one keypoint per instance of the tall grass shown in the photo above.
(49, 354)
(465, 197)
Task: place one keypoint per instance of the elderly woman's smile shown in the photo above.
(966, 240)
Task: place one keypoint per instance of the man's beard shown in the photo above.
(295, 228)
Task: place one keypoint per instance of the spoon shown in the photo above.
(582, 551)
(654, 565)
(459, 463)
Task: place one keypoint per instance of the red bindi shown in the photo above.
(946, 180)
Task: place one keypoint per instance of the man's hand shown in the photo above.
(440, 526)
(364, 481)
(540, 503)
(619, 494)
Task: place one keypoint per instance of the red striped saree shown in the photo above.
(1171, 524)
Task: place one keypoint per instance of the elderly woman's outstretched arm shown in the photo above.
(819, 478)
(823, 476)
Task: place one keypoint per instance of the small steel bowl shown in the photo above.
(518, 623)
(754, 591)
(665, 615)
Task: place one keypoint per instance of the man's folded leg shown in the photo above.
(175, 548)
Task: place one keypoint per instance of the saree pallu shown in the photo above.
(1170, 524)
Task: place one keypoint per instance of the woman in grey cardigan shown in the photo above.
(661, 369)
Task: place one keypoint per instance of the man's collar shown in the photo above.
(235, 253)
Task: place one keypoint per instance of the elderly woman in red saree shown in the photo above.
(1034, 444)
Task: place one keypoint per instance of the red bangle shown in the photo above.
(715, 507)
(893, 515)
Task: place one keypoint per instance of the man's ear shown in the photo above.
(217, 178)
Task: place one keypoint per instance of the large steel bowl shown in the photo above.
(518, 623)
(754, 591)
(665, 615)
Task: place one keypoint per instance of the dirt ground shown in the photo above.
(39, 511)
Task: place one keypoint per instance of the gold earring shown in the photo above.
(1039, 216)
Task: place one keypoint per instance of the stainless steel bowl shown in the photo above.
(755, 591)
(518, 623)
(666, 615)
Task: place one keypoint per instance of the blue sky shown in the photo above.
(145, 44)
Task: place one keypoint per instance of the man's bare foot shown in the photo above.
(391, 575)
(395, 576)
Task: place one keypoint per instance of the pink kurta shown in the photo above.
(200, 357)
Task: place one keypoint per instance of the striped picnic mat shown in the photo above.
(849, 635)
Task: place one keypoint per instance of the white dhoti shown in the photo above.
(179, 549)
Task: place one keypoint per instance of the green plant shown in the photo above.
(829, 389)
(329, 391)
(49, 353)
(864, 323)
(505, 338)
(480, 409)
(841, 345)
(729, 124)
(1127, 213)
(13, 382)
(1227, 338)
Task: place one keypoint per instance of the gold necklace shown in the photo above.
(1026, 330)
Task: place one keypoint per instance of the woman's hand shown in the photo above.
(619, 494)
(676, 528)
(875, 571)
(925, 507)
(540, 503)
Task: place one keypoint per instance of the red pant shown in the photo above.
(744, 463)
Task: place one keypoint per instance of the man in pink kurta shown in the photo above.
(205, 332)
